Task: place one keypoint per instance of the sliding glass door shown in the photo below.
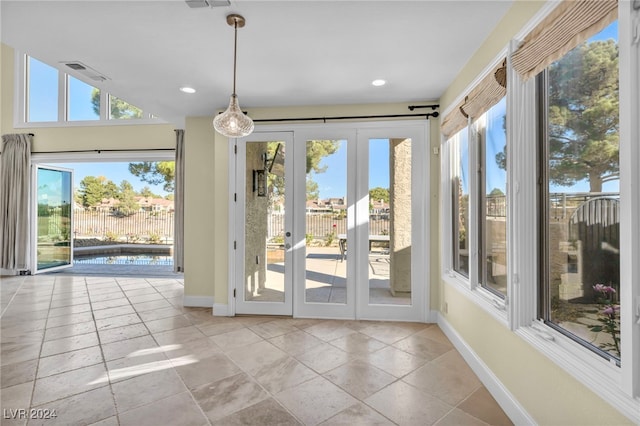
(53, 228)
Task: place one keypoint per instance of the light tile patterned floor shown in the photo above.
(123, 351)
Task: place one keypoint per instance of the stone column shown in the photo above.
(400, 218)
(255, 251)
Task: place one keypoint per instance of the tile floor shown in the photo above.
(123, 351)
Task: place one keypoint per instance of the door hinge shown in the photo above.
(234, 245)
(234, 292)
(235, 149)
(235, 197)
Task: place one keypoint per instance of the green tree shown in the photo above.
(583, 115)
(126, 195)
(312, 189)
(378, 193)
(316, 151)
(119, 108)
(146, 192)
(155, 173)
(94, 189)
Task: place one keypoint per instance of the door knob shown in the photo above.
(288, 234)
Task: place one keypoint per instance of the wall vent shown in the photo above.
(85, 70)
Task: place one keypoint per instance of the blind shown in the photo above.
(568, 25)
(482, 97)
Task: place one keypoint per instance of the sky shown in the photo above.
(43, 100)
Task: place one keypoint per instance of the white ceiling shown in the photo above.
(290, 52)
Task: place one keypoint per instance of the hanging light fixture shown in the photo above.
(233, 123)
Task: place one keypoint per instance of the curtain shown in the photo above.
(178, 232)
(568, 25)
(15, 172)
(482, 97)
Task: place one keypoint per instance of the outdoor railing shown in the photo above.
(142, 225)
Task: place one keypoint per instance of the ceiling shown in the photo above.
(290, 52)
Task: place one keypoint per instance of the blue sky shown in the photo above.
(333, 182)
(43, 100)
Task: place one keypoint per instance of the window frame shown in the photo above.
(496, 306)
(21, 101)
(617, 385)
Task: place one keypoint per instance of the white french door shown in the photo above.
(264, 242)
(311, 242)
(52, 219)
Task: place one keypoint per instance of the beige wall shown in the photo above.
(549, 394)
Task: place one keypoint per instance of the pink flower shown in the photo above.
(604, 289)
(611, 310)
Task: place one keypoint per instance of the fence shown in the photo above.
(140, 225)
(319, 226)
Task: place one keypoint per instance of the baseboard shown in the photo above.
(432, 316)
(507, 401)
(198, 301)
(220, 310)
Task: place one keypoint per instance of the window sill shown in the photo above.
(87, 123)
(600, 376)
(493, 305)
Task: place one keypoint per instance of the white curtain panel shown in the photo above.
(178, 233)
(15, 172)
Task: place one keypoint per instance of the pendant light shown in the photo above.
(233, 123)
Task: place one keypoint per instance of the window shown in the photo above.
(83, 101)
(55, 97)
(42, 91)
(492, 199)
(460, 202)
(580, 195)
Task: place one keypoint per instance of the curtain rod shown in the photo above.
(433, 106)
(105, 150)
(352, 117)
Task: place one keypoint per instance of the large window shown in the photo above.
(52, 96)
(460, 202)
(580, 196)
(492, 199)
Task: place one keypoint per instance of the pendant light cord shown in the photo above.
(235, 54)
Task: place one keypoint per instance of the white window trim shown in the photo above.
(20, 98)
(619, 386)
(497, 307)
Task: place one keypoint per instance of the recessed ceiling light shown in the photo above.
(379, 82)
(188, 90)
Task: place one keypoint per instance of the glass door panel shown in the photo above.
(389, 231)
(54, 218)
(326, 222)
(391, 223)
(266, 226)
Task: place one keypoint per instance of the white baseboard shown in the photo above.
(220, 310)
(505, 399)
(198, 301)
(432, 317)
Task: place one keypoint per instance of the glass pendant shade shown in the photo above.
(233, 123)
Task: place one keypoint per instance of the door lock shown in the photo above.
(288, 234)
(287, 246)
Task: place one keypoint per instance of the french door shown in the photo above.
(53, 218)
(331, 222)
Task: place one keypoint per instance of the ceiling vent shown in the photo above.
(85, 70)
(207, 3)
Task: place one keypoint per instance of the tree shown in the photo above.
(146, 192)
(316, 151)
(119, 108)
(378, 193)
(94, 189)
(312, 189)
(127, 205)
(583, 116)
(155, 173)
